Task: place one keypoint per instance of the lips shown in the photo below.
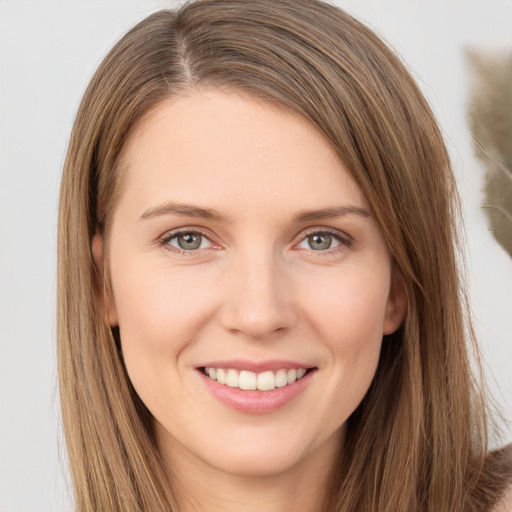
(256, 387)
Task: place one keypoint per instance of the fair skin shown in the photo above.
(241, 243)
(505, 504)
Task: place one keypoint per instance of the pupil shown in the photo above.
(320, 242)
(189, 241)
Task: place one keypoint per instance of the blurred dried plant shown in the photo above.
(490, 118)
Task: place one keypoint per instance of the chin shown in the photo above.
(265, 452)
(257, 465)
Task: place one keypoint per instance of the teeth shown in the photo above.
(291, 376)
(264, 381)
(247, 380)
(232, 379)
(281, 378)
(221, 376)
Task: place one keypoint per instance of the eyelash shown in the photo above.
(164, 241)
(346, 242)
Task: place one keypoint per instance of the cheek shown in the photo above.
(159, 312)
(349, 307)
(348, 315)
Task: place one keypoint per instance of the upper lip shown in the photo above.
(256, 366)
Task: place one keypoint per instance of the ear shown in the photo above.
(396, 306)
(107, 297)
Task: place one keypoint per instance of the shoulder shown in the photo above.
(505, 504)
(504, 456)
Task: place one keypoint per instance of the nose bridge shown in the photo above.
(260, 301)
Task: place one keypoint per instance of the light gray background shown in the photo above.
(48, 52)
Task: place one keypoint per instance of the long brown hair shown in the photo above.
(418, 441)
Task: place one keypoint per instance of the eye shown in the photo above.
(320, 241)
(187, 241)
(324, 241)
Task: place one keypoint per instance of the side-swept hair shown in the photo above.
(418, 441)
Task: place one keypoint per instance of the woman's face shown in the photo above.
(241, 247)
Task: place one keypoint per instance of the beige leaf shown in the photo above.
(490, 118)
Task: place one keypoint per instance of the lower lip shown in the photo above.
(257, 402)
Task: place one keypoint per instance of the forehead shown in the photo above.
(216, 147)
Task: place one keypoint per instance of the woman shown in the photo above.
(259, 305)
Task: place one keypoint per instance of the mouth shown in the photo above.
(256, 381)
(256, 387)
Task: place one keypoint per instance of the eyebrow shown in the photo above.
(329, 213)
(183, 210)
(189, 210)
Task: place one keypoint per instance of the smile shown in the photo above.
(256, 388)
(251, 381)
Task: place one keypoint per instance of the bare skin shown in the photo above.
(505, 504)
(210, 490)
(240, 237)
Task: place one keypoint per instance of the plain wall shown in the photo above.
(48, 52)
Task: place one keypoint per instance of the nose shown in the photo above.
(259, 298)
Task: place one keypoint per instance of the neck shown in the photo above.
(204, 488)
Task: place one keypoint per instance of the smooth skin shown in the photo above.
(240, 235)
